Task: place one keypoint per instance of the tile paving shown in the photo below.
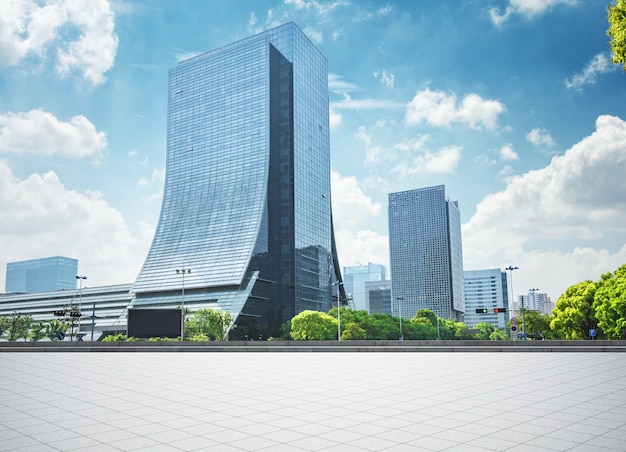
(522, 401)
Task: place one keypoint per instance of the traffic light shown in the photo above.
(498, 310)
(59, 313)
(482, 311)
(75, 314)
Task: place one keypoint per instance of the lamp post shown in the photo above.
(399, 299)
(182, 302)
(80, 279)
(338, 283)
(510, 269)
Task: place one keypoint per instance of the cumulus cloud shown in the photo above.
(552, 219)
(540, 136)
(526, 8)
(439, 109)
(444, 160)
(599, 64)
(39, 217)
(30, 27)
(507, 152)
(39, 132)
(352, 209)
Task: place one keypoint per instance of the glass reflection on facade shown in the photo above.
(425, 253)
(246, 205)
(41, 275)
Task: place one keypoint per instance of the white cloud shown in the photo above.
(353, 211)
(39, 217)
(386, 78)
(527, 8)
(540, 136)
(30, 27)
(507, 152)
(347, 103)
(445, 160)
(314, 35)
(599, 64)
(337, 85)
(39, 132)
(553, 220)
(439, 109)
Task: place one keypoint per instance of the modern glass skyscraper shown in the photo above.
(246, 207)
(425, 253)
(41, 275)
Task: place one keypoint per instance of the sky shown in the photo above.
(513, 105)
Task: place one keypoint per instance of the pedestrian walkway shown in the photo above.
(523, 401)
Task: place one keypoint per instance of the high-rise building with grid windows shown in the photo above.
(246, 207)
(425, 253)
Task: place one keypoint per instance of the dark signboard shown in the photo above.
(146, 323)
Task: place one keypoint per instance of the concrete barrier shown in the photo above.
(320, 346)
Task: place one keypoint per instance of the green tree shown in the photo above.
(353, 332)
(486, 329)
(537, 325)
(423, 329)
(499, 335)
(54, 328)
(37, 331)
(15, 327)
(313, 325)
(427, 314)
(209, 322)
(574, 314)
(380, 326)
(610, 303)
(617, 31)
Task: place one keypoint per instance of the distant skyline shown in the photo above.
(512, 105)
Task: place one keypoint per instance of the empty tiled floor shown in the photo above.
(313, 401)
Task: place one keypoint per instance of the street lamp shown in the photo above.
(338, 283)
(399, 299)
(80, 301)
(510, 269)
(182, 302)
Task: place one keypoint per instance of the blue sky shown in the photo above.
(513, 105)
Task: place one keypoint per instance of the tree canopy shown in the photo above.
(610, 304)
(313, 326)
(617, 31)
(574, 315)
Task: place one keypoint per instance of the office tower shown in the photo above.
(246, 207)
(535, 301)
(378, 297)
(425, 253)
(486, 290)
(355, 278)
(41, 275)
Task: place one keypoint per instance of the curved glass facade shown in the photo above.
(247, 189)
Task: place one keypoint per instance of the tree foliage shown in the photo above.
(610, 304)
(617, 31)
(15, 327)
(353, 332)
(537, 325)
(209, 323)
(574, 314)
(313, 325)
